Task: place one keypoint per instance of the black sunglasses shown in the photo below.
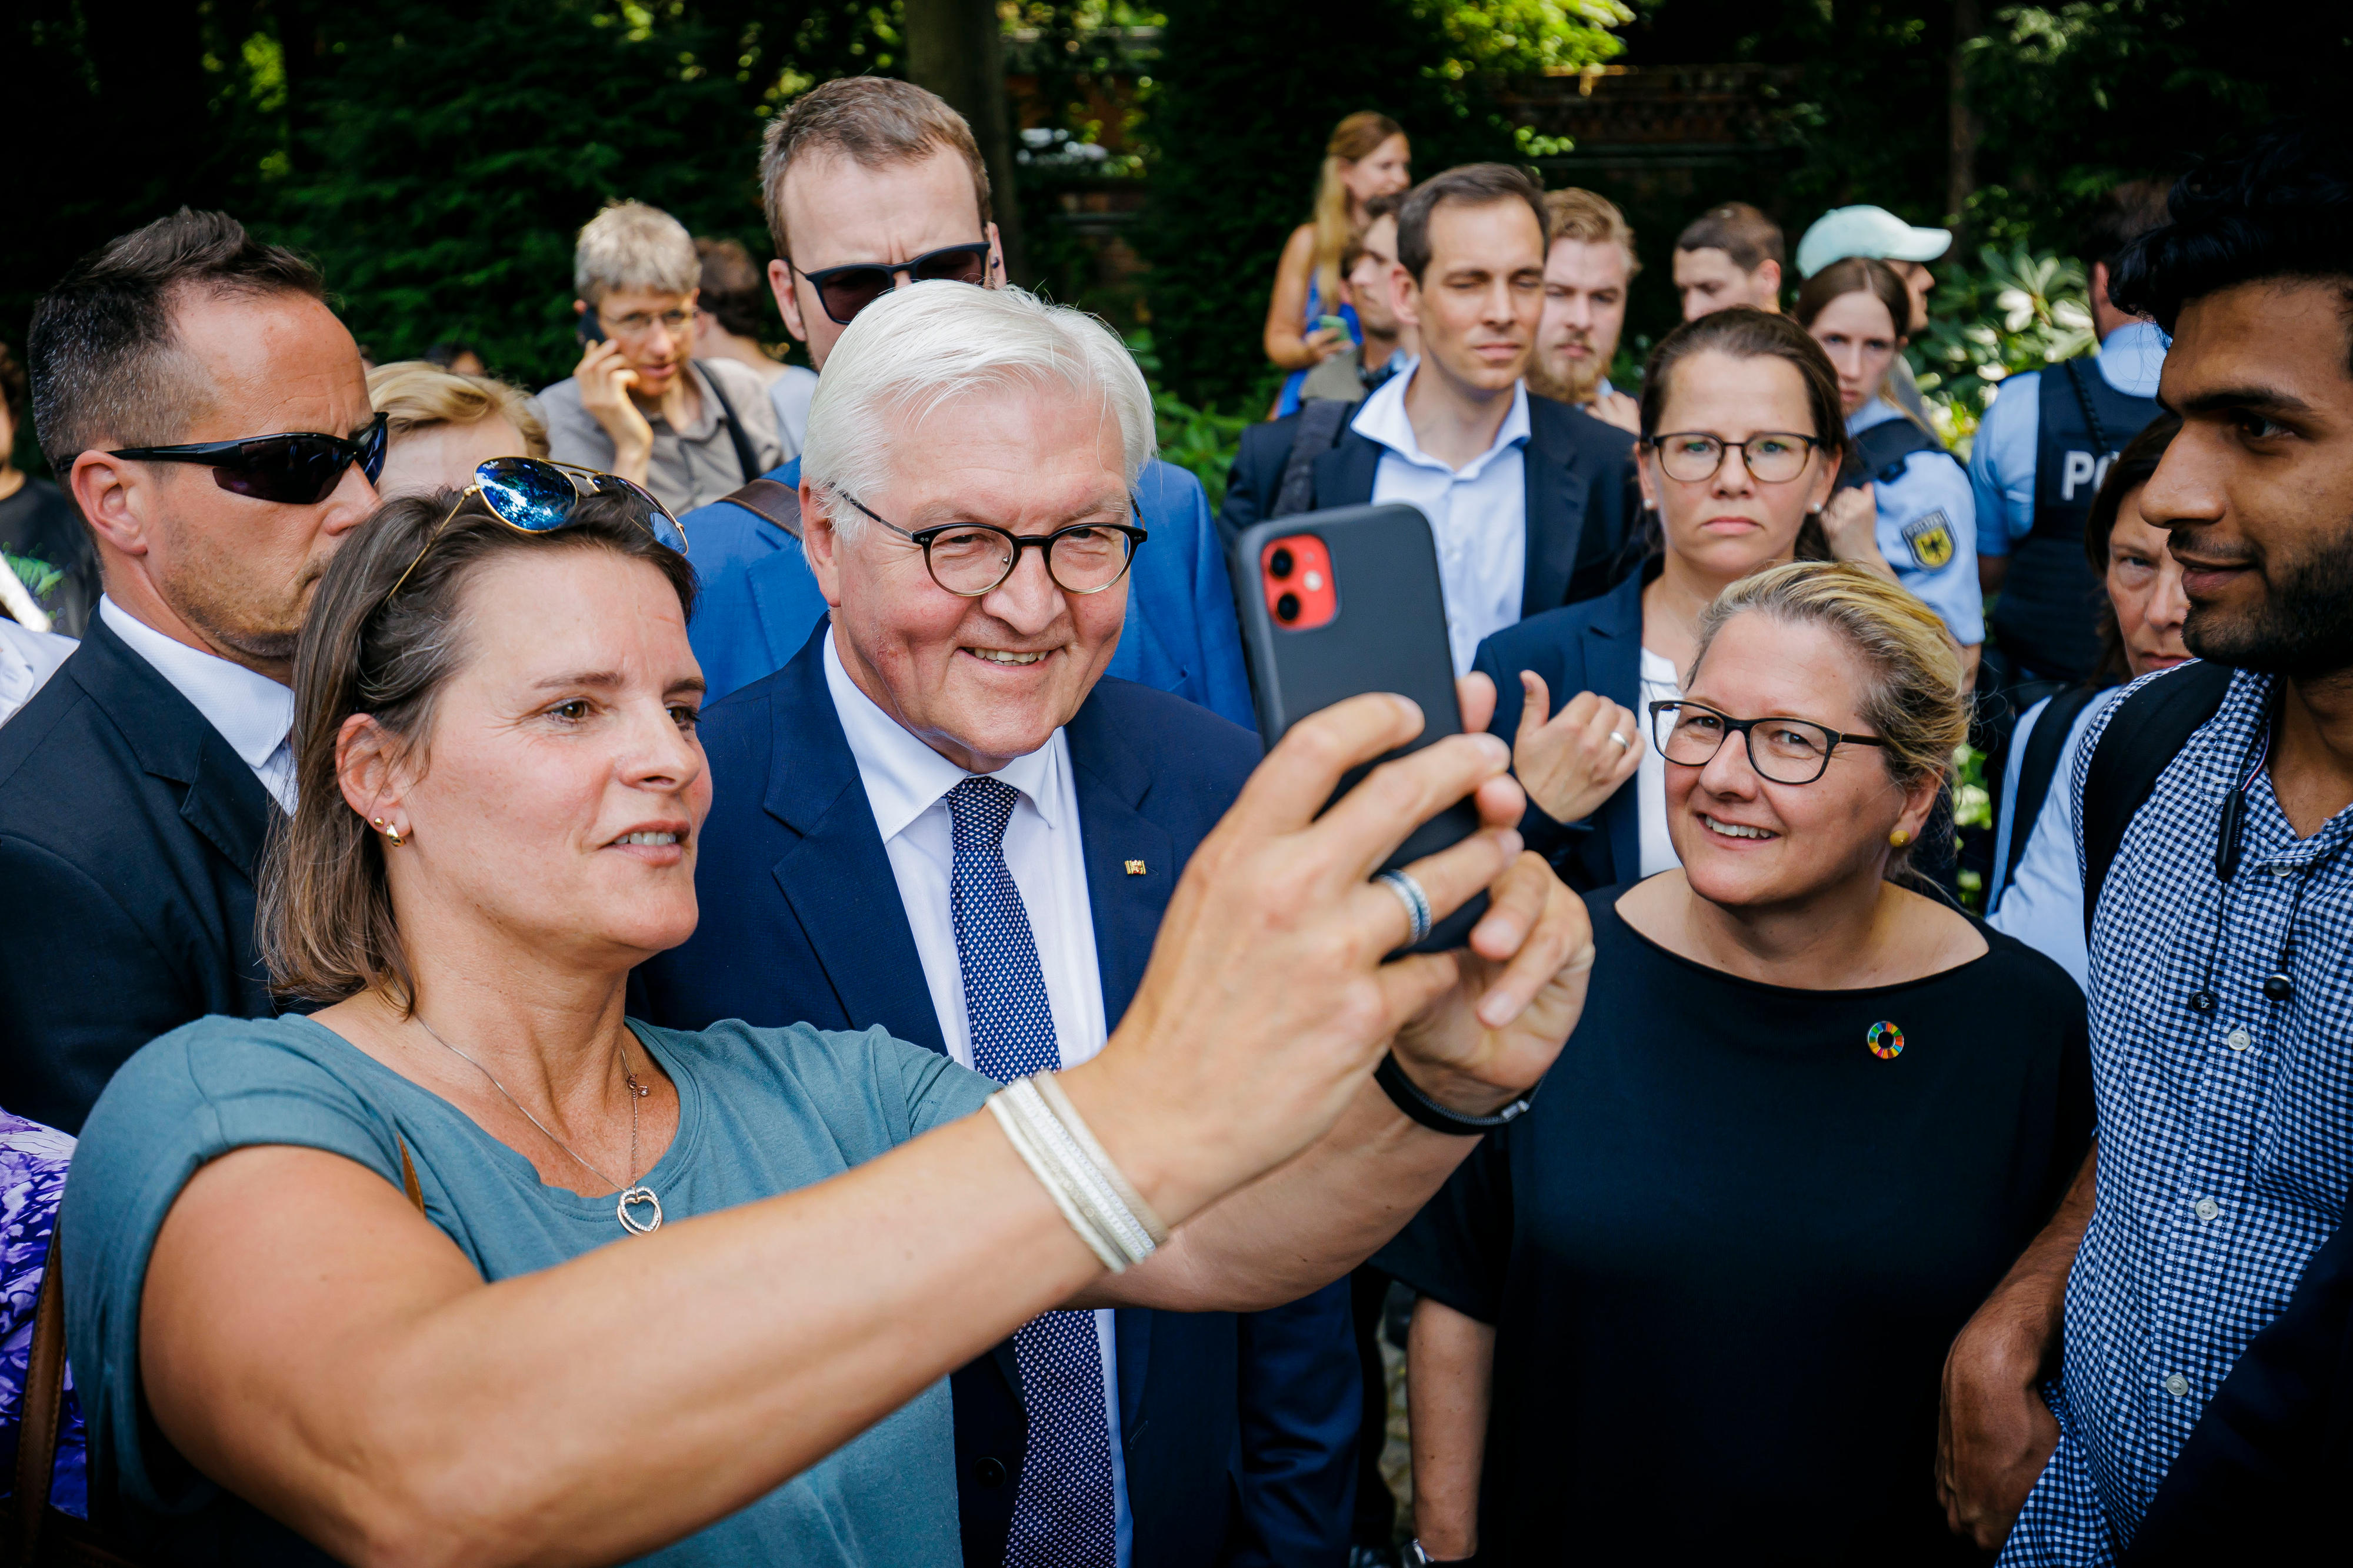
(532, 495)
(846, 290)
(299, 468)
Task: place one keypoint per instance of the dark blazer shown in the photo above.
(1595, 645)
(1581, 500)
(802, 920)
(129, 834)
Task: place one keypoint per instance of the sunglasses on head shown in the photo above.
(532, 495)
(299, 468)
(846, 290)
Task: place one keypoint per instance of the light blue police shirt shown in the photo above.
(2001, 459)
(2042, 906)
(1928, 531)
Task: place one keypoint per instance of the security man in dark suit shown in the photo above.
(211, 418)
(944, 762)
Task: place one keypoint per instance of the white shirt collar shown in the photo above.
(1383, 420)
(904, 777)
(253, 714)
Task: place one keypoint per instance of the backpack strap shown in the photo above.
(1320, 420)
(746, 458)
(772, 500)
(2038, 767)
(2144, 734)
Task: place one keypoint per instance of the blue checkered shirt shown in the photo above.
(2225, 1138)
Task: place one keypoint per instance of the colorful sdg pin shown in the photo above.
(1886, 1040)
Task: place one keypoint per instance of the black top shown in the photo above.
(1725, 1252)
(44, 540)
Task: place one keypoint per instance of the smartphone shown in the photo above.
(1333, 324)
(587, 329)
(1337, 604)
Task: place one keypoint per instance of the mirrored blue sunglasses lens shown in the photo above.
(527, 493)
(658, 522)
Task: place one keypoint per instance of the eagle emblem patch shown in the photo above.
(1930, 540)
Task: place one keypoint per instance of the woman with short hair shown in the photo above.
(465, 1266)
(1306, 322)
(1692, 1307)
(440, 425)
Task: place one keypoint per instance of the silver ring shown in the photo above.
(1416, 901)
(1620, 736)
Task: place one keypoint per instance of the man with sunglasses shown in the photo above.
(943, 817)
(210, 418)
(872, 185)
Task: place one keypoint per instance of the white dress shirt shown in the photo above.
(28, 660)
(1478, 514)
(1659, 684)
(253, 714)
(906, 787)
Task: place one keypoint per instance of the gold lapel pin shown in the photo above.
(1136, 867)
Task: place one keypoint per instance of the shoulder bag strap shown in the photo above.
(44, 1405)
(1320, 420)
(772, 499)
(746, 458)
(2038, 768)
(2144, 735)
(2074, 371)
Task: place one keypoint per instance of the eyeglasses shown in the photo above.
(1773, 457)
(299, 468)
(1782, 751)
(969, 558)
(532, 495)
(846, 290)
(637, 323)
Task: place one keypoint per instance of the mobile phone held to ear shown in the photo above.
(1337, 604)
(588, 328)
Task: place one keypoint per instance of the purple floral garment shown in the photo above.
(33, 1162)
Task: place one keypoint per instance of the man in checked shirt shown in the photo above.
(2222, 1010)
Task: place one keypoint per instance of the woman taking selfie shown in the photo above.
(1741, 442)
(1306, 324)
(1903, 496)
(1692, 1307)
(466, 1267)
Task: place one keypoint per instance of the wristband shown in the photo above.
(1409, 1099)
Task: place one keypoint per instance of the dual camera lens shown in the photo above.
(1279, 566)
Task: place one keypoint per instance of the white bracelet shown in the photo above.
(1118, 1226)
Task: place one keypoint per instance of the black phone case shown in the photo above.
(1388, 634)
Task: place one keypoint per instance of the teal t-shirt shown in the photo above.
(760, 1111)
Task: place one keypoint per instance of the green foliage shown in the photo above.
(2013, 312)
(1203, 440)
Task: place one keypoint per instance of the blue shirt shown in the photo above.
(760, 1113)
(1928, 531)
(2042, 906)
(2001, 457)
(2226, 1138)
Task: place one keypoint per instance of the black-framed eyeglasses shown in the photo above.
(1771, 457)
(846, 290)
(969, 558)
(532, 495)
(1782, 751)
(300, 467)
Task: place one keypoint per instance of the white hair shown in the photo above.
(632, 248)
(919, 348)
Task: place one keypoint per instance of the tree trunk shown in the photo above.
(1961, 142)
(955, 49)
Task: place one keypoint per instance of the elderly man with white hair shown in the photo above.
(941, 816)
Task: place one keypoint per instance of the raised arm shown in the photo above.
(1287, 343)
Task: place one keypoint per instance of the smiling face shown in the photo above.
(1750, 844)
(1859, 336)
(555, 799)
(1733, 523)
(1584, 312)
(2257, 490)
(980, 680)
(2144, 584)
(1478, 303)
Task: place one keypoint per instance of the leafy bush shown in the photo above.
(2013, 312)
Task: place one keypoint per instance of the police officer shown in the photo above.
(1899, 476)
(2041, 451)
(1876, 232)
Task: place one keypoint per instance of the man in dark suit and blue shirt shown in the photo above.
(1526, 497)
(137, 784)
(941, 818)
(865, 174)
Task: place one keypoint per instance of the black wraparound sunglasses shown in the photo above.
(846, 290)
(299, 468)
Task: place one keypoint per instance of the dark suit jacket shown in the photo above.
(1581, 504)
(1595, 645)
(129, 833)
(802, 920)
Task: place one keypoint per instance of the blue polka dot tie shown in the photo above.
(1063, 1515)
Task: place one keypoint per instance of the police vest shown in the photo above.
(2048, 615)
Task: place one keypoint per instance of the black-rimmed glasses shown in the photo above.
(532, 495)
(970, 559)
(300, 467)
(1782, 751)
(1771, 457)
(846, 290)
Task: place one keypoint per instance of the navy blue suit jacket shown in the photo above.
(759, 599)
(1593, 646)
(802, 920)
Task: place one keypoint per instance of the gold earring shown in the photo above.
(394, 837)
(1898, 838)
